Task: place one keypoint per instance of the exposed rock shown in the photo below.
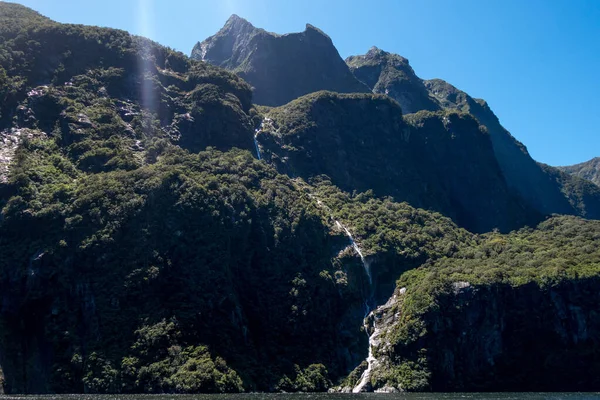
(391, 74)
(537, 185)
(279, 67)
(9, 142)
(589, 170)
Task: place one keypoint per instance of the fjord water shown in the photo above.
(318, 396)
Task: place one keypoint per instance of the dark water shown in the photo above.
(322, 396)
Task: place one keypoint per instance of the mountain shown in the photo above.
(140, 252)
(280, 68)
(589, 170)
(392, 75)
(160, 233)
(441, 161)
(521, 172)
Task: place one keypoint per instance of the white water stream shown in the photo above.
(371, 360)
(256, 144)
(365, 264)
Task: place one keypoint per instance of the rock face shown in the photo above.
(488, 338)
(537, 186)
(279, 67)
(589, 170)
(391, 74)
(521, 172)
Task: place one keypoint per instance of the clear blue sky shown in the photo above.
(536, 62)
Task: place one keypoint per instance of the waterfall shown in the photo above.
(371, 360)
(373, 338)
(365, 264)
(256, 144)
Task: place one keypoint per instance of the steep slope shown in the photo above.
(589, 170)
(582, 194)
(279, 67)
(391, 74)
(440, 161)
(522, 173)
(129, 262)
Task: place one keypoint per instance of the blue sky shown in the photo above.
(536, 62)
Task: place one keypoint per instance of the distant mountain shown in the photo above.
(279, 67)
(589, 170)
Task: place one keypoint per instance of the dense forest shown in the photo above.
(160, 232)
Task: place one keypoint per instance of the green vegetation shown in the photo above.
(144, 248)
(441, 161)
(540, 266)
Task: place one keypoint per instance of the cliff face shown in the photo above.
(440, 161)
(521, 172)
(392, 75)
(496, 338)
(508, 313)
(491, 339)
(279, 67)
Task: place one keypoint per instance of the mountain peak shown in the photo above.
(236, 20)
(281, 68)
(374, 51)
(313, 28)
(391, 74)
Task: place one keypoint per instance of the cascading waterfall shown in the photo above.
(365, 264)
(371, 360)
(256, 143)
(265, 122)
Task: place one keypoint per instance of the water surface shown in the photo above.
(319, 396)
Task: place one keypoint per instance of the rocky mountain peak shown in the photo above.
(312, 28)
(391, 74)
(279, 67)
(237, 24)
